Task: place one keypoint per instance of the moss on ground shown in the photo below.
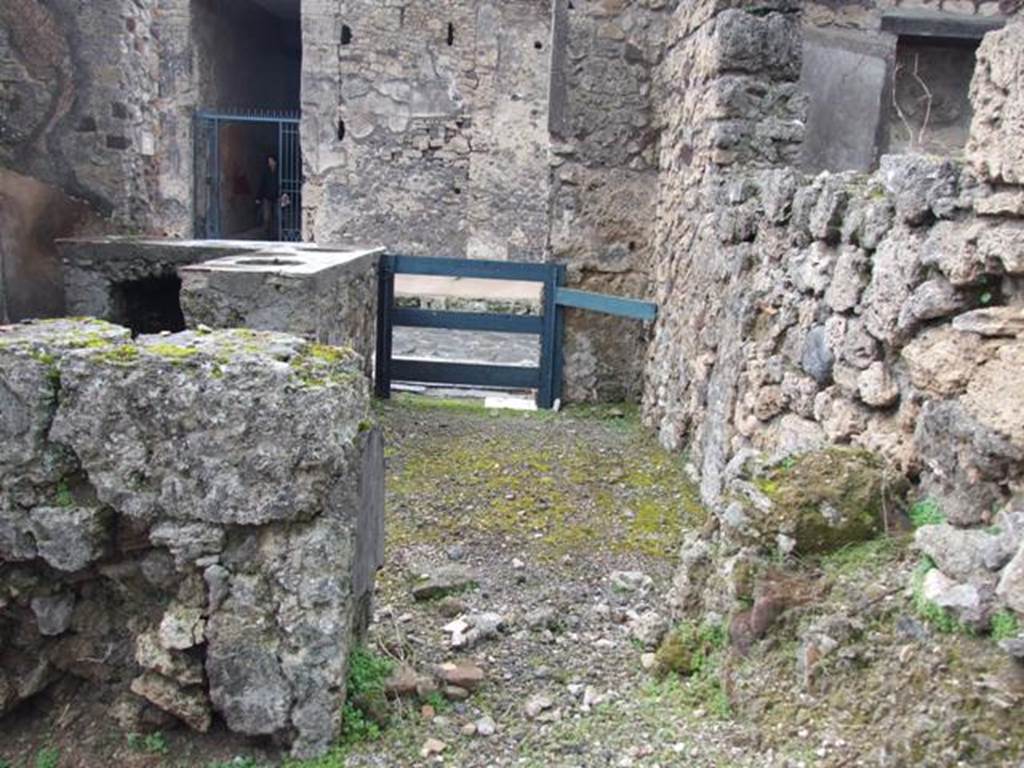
(564, 496)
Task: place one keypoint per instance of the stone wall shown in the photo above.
(94, 132)
(605, 134)
(195, 517)
(494, 130)
(882, 311)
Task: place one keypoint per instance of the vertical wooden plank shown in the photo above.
(548, 351)
(385, 307)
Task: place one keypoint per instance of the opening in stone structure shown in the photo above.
(341, 130)
(451, 34)
(930, 108)
(150, 305)
(250, 65)
(346, 34)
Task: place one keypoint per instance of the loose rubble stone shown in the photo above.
(188, 705)
(443, 582)
(486, 726)
(461, 674)
(536, 705)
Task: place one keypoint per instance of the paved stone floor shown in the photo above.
(462, 346)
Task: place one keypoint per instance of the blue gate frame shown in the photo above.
(546, 377)
(289, 167)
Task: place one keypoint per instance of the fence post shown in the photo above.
(551, 346)
(385, 307)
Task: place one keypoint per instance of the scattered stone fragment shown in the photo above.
(537, 704)
(475, 628)
(648, 629)
(630, 581)
(444, 581)
(402, 682)
(178, 666)
(486, 726)
(469, 729)
(455, 693)
(543, 618)
(460, 674)
(432, 747)
(182, 628)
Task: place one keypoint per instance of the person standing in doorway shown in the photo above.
(267, 197)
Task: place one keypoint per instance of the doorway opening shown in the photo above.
(248, 165)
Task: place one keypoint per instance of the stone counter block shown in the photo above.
(211, 501)
(325, 296)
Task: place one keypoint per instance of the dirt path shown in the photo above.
(569, 526)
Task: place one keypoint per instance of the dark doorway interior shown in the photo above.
(149, 305)
(251, 69)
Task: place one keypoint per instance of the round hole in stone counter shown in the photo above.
(269, 262)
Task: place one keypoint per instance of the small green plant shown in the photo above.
(356, 726)
(367, 674)
(437, 701)
(1005, 625)
(47, 757)
(691, 655)
(926, 512)
(63, 497)
(333, 759)
(153, 743)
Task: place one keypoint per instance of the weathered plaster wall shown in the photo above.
(95, 123)
(882, 311)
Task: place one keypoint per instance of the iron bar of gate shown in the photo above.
(289, 165)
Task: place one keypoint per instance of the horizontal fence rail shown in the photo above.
(609, 305)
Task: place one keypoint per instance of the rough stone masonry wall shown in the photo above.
(883, 311)
(94, 132)
(604, 168)
(196, 518)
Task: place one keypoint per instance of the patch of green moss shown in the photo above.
(869, 554)
(695, 651)
(122, 354)
(323, 366)
(171, 352)
(565, 498)
(63, 497)
(826, 500)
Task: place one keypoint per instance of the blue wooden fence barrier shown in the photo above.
(546, 377)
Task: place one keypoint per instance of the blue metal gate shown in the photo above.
(545, 378)
(209, 212)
